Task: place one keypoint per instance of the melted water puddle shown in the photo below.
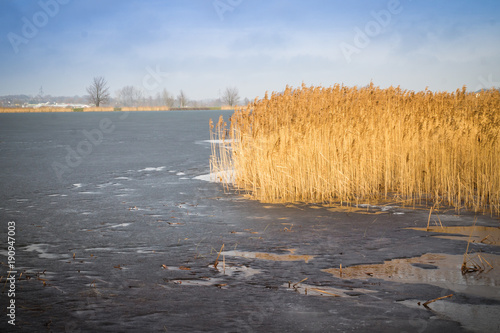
(226, 270)
(43, 251)
(357, 209)
(203, 281)
(313, 290)
(270, 256)
(474, 317)
(483, 235)
(369, 210)
(442, 270)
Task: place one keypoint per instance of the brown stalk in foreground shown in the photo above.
(436, 299)
(218, 255)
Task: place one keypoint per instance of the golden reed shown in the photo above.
(365, 145)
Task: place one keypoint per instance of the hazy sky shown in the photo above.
(203, 46)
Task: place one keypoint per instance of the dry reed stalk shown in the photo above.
(464, 268)
(436, 299)
(295, 284)
(216, 262)
(484, 259)
(470, 265)
(429, 219)
(325, 292)
(485, 238)
(357, 145)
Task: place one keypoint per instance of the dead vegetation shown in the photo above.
(425, 304)
(473, 261)
(216, 262)
(362, 145)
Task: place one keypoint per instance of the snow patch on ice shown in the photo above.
(215, 141)
(119, 225)
(153, 169)
(217, 177)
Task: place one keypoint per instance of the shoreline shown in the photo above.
(106, 109)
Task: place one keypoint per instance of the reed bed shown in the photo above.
(364, 145)
(34, 110)
(52, 109)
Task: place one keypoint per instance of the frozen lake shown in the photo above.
(117, 230)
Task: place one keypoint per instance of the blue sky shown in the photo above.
(203, 46)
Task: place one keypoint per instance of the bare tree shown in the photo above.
(130, 96)
(98, 91)
(230, 96)
(182, 98)
(168, 99)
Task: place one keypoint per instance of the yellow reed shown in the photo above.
(359, 145)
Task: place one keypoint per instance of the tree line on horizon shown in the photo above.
(98, 94)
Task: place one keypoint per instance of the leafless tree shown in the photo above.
(182, 98)
(168, 99)
(98, 91)
(130, 96)
(231, 96)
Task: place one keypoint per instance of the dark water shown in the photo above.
(114, 233)
(114, 143)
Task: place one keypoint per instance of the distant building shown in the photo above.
(55, 105)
